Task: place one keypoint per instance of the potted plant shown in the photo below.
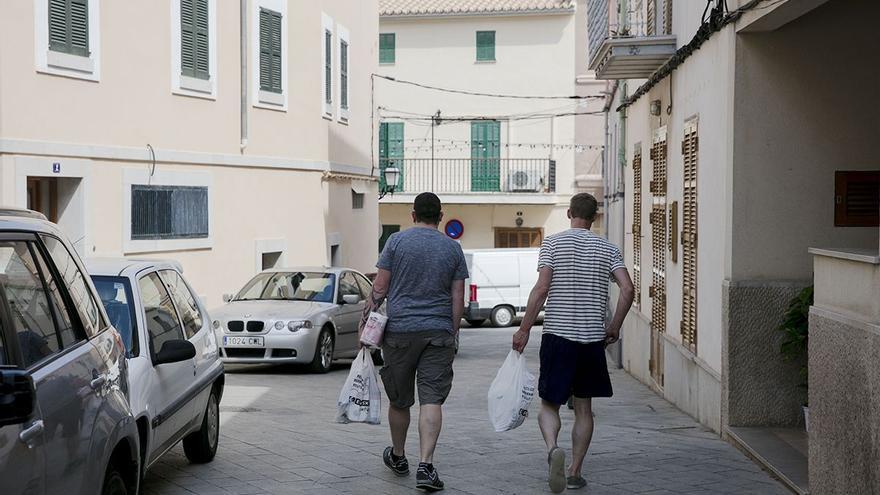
(796, 328)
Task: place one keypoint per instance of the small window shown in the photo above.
(343, 74)
(485, 46)
(387, 44)
(194, 38)
(169, 212)
(69, 27)
(115, 294)
(357, 200)
(857, 198)
(270, 51)
(185, 301)
(328, 67)
(163, 324)
(79, 290)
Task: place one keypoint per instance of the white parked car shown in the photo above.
(499, 284)
(175, 374)
(296, 315)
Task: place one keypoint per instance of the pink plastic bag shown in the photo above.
(374, 329)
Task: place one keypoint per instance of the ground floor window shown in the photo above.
(518, 238)
(169, 212)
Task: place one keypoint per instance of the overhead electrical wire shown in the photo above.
(409, 118)
(491, 95)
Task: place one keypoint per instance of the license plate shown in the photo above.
(242, 341)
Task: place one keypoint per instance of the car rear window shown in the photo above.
(115, 293)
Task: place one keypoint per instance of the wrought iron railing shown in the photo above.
(473, 175)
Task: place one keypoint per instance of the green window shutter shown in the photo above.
(343, 74)
(270, 51)
(201, 48)
(69, 26)
(485, 45)
(485, 156)
(391, 147)
(386, 48)
(328, 67)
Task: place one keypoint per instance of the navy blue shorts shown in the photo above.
(572, 368)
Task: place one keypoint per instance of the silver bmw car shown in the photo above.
(296, 315)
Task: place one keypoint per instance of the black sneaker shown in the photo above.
(427, 478)
(399, 465)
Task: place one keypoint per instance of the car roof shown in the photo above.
(115, 267)
(319, 269)
(20, 219)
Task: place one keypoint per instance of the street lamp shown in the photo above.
(391, 176)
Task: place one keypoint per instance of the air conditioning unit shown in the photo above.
(525, 181)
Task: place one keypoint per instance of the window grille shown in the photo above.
(169, 212)
(357, 200)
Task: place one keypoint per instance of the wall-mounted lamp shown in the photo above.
(519, 219)
(391, 176)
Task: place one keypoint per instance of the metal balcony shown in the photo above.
(478, 176)
(632, 45)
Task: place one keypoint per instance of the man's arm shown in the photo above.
(457, 304)
(624, 302)
(537, 298)
(377, 296)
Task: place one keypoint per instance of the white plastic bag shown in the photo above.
(511, 393)
(374, 329)
(360, 400)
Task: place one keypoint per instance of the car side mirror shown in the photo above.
(175, 351)
(351, 299)
(17, 396)
(227, 298)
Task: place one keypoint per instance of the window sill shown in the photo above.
(383, 64)
(328, 110)
(485, 61)
(161, 245)
(65, 64)
(194, 87)
(343, 116)
(271, 101)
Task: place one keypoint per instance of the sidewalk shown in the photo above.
(279, 438)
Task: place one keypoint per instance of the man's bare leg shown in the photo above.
(398, 419)
(550, 424)
(581, 434)
(430, 424)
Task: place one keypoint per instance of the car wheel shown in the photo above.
(476, 323)
(502, 316)
(114, 482)
(201, 446)
(323, 352)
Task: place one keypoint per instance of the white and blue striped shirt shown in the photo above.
(582, 264)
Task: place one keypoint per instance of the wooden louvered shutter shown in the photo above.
(689, 150)
(328, 67)
(194, 49)
(69, 26)
(658, 231)
(343, 74)
(637, 223)
(857, 198)
(270, 51)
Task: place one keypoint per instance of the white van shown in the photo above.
(500, 283)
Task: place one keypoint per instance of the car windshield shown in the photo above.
(115, 293)
(289, 286)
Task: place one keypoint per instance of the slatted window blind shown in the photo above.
(386, 48)
(857, 198)
(689, 149)
(194, 38)
(658, 232)
(637, 224)
(486, 45)
(328, 67)
(168, 212)
(69, 26)
(343, 74)
(270, 51)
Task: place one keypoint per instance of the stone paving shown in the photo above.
(279, 437)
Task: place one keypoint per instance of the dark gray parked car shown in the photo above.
(65, 423)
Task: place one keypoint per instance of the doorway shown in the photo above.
(42, 196)
(62, 201)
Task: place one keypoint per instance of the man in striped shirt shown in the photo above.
(574, 268)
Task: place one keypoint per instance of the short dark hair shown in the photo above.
(584, 206)
(427, 208)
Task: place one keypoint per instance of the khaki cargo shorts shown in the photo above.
(426, 356)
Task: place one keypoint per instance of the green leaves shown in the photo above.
(796, 327)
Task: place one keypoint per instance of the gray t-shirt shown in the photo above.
(423, 264)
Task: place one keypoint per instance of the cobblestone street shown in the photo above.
(279, 437)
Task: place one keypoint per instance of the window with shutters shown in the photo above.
(857, 198)
(387, 42)
(657, 290)
(637, 223)
(485, 46)
(270, 51)
(194, 36)
(327, 64)
(69, 26)
(689, 149)
(168, 212)
(518, 238)
(344, 45)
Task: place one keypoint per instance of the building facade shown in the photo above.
(504, 167)
(231, 136)
(739, 144)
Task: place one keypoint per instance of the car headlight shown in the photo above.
(216, 324)
(279, 325)
(295, 326)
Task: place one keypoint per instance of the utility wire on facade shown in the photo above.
(491, 95)
(408, 118)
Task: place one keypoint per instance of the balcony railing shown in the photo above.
(473, 175)
(629, 39)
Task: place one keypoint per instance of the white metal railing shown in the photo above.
(605, 20)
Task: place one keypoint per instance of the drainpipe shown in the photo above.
(244, 74)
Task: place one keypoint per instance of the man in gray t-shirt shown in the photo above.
(421, 273)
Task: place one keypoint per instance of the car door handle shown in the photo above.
(98, 382)
(31, 432)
